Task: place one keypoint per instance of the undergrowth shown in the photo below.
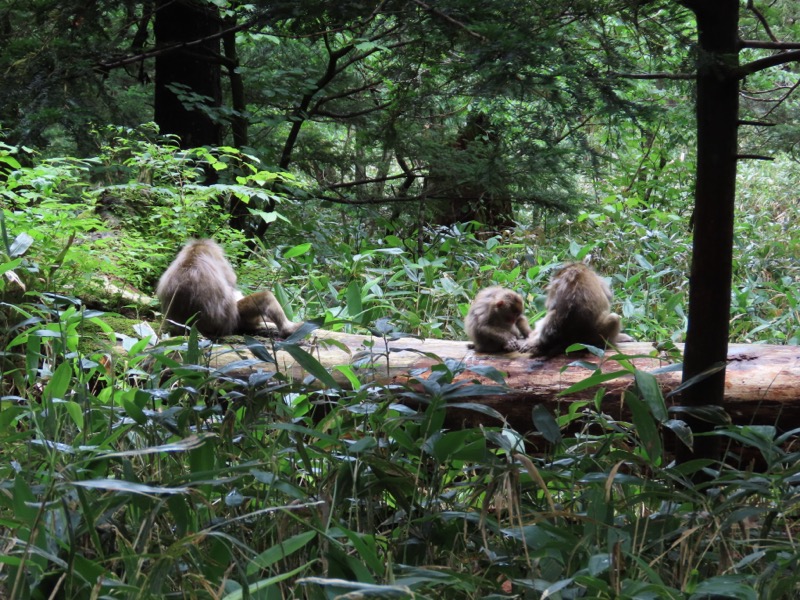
(136, 467)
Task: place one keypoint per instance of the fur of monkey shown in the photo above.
(495, 322)
(578, 311)
(200, 284)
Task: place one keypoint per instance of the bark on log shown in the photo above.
(762, 382)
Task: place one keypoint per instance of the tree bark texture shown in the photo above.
(193, 65)
(762, 383)
(717, 113)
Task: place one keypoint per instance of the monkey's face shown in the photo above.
(509, 307)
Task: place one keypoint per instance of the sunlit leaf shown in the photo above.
(188, 443)
(120, 485)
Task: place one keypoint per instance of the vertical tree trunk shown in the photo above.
(188, 77)
(238, 103)
(240, 215)
(710, 280)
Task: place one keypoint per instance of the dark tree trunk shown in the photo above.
(710, 279)
(240, 215)
(188, 76)
(238, 102)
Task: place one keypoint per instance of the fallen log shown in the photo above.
(762, 384)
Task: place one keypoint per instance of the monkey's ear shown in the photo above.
(500, 303)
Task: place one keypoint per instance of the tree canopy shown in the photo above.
(367, 101)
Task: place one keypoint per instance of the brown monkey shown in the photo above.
(200, 284)
(578, 311)
(495, 322)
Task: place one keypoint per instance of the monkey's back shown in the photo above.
(200, 283)
(577, 301)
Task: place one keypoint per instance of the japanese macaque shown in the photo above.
(578, 312)
(495, 322)
(199, 288)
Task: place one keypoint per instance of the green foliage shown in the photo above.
(138, 467)
(147, 471)
(372, 102)
(141, 184)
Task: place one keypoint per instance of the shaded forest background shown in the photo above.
(454, 111)
(440, 113)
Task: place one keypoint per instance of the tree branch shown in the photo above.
(760, 17)
(411, 177)
(781, 100)
(757, 123)
(371, 201)
(317, 112)
(753, 157)
(770, 45)
(451, 20)
(765, 63)
(348, 92)
(675, 76)
(348, 184)
(114, 64)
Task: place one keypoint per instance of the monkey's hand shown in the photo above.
(535, 350)
(512, 345)
(518, 345)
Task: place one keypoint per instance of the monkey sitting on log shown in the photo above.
(495, 322)
(200, 284)
(578, 312)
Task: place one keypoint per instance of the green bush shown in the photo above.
(135, 468)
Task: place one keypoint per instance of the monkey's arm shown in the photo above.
(609, 326)
(524, 327)
(619, 336)
(491, 339)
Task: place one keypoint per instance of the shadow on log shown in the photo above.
(762, 383)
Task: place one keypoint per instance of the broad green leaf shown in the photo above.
(651, 394)
(189, 443)
(279, 552)
(737, 587)
(592, 381)
(711, 413)
(75, 412)
(298, 250)
(59, 383)
(546, 424)
(120, 485)
(350, 374)
(263, 584)
(20, 245)
(698, 378)
(646, 427)
(681, 430)
(353, 301)
(310, 364)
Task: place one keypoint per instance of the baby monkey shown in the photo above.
(200, 284)
(495, 322)
(578, 311)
